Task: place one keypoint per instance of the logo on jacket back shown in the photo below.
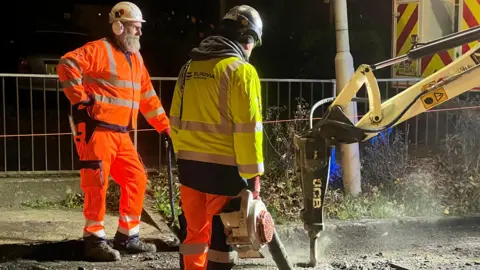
(199, 75)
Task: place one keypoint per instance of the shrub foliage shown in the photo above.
(394, 182)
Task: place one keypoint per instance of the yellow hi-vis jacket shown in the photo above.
(221, 115)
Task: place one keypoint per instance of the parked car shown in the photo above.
(38, 52)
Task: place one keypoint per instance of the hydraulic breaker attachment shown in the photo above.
(312, 160)
(313, 170)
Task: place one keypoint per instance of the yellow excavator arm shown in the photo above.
(313, 150)
(460, 76)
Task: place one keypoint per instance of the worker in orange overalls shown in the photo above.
(216, 118)
(107, 84)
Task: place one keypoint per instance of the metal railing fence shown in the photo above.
(36, 134)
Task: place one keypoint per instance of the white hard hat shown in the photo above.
(125, 12)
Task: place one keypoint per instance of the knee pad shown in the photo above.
(248, 225)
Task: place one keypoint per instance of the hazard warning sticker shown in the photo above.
(434, 98)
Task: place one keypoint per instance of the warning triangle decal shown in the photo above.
(438, 96)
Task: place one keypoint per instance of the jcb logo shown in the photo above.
(317, 193)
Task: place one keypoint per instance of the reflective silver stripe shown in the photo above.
(223, 91)
(132, 231)
(221, 256)
(129, 218)
(116, 101)
(225, 125)
(71, 83)
(113, 80)
(225, 129)
(148, 94)
(190, 249)
(154, 113)
(91, 223)
(205, 127)
(219, 159)
(111, 60)
(248, 127)
(174, 120)
(70, 62)
(201, 127)
(251, 168)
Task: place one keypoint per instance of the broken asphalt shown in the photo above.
(50, 239)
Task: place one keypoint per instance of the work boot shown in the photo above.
(132, 245)
(101, 251)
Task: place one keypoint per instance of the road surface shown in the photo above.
(455, 247)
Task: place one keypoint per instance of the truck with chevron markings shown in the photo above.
(418, 21)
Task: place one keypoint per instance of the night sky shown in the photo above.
(299, 36)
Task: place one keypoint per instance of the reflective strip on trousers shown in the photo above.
(133, 231)
(117, 101)
(127, 219)
(221, 256)
(192, 249)
(220, 159)
(90, 226)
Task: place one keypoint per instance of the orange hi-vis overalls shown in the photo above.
(118, 84)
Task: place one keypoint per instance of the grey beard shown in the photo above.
(131, 43)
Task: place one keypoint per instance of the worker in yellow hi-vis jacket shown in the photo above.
(216, 122)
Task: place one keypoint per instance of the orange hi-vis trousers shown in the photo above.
(104, 152)
(205, 244)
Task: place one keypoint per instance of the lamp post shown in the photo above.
(344, 70)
